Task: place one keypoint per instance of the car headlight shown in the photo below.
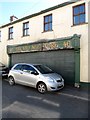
(49, 79)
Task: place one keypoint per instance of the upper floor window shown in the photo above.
(79, 14)
(10, 33)
(0, 35)
(26, 29)
(48, 22)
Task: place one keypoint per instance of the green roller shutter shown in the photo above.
(61, 61)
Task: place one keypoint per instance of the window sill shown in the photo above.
(47, 31)
(10, 39)
(25, 35)
(79, 24)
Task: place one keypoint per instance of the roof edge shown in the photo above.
(41, 12)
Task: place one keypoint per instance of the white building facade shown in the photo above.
(58, 23)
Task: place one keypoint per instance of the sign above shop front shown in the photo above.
(72, 42)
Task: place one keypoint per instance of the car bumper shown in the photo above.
(55, 87)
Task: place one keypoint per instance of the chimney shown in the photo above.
(13, 18)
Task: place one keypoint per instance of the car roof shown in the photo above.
(27, 64)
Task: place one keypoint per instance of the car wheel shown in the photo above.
(11, 80)
(41, 88)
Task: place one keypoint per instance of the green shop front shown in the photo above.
(61, 55)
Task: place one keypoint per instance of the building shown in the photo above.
(57, 37)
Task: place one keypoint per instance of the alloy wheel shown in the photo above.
(42, 88)
(11, 81)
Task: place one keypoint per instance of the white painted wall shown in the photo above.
(62, 27)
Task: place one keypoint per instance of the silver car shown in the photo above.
(35, 75)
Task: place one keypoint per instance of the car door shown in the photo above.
(17, 73)
(28, 78)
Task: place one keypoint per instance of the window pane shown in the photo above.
(50, 18)
(82, 18)
(76, 20)
(27, 32)
(27, 25)
(50, 26)
(76, 10)
(81, 9)
(24, 32)
(46, 19)
(11, 36)
(28, 68)
(46, 27)
(10, 30)
(18, 67)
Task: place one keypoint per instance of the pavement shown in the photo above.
(83, 93)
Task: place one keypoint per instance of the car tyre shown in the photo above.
(11, 80)
(41, 87)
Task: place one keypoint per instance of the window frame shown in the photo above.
(47, 23)
(80, 13)
(26, 29)
(10, 33)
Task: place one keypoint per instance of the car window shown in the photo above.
(18, 67)
(43, 69)
(27, 68)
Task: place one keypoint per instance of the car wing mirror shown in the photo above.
(34, 73)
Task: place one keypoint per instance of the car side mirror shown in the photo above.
(34, 73)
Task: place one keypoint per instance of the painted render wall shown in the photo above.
(62, 27)
(89, 42)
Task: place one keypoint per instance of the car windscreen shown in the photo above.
(43, 69)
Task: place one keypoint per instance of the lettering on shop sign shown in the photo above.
(50, 46)
(25, 48)
(36, 47)
(67, 44)
(45, 46)
(22, 48)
